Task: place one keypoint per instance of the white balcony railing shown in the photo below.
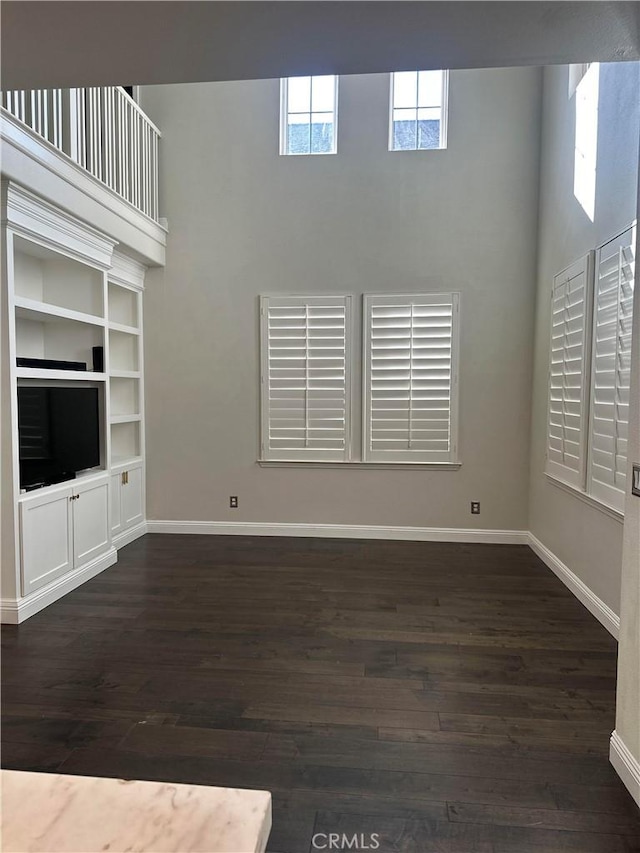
(101, 129)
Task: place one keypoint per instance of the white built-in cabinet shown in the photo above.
(63, 530)
(66, 288)
(127, 499)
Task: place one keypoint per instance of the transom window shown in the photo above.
(418, 110)
(308, 115)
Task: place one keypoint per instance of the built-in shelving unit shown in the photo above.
(67, 291)
(124, 322)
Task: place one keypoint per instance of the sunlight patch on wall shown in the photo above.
(586, 146)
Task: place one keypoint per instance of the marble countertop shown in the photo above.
(51, 813)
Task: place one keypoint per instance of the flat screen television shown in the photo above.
(59, 433)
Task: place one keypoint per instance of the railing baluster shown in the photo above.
(156, 168)
(101, 129)
(88, 119)
(127, 151)
(106, 136)
(120, 144)
(145, 160)
(91, 153)
(54, 117)
(44, 108)
(82, 128)
(132, 153)
(112, 137)
(95, 148)
(61, 118)
(32, 123)
(134, 158)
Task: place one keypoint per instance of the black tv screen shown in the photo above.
(59, 433)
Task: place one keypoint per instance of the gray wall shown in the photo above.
(245, 221)
(628, 696)
(588, 541)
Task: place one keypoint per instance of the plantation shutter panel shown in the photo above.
(613, 315)
(568, 378)
(410, 378)
(305, 378)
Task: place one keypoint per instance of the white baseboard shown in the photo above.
(341, 531)
(596, 606)
(626, 765)
(129, 535)
(16, 610)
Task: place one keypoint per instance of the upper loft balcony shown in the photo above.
(92, 151)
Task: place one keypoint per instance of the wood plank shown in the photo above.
(574, 821)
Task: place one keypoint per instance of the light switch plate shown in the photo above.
(635, 481)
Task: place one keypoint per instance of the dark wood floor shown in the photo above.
(451, 698)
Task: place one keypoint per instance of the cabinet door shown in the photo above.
(91, 536)
(116, 504)
(47, 539)
(132, 512)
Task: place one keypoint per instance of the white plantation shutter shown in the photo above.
(568, 377)
(305, 378)
(612, 320)
(410, 377)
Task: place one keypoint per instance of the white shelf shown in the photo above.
(125, 419)
(124, 374)
(73, 375)
(128, 330)
(44, 312)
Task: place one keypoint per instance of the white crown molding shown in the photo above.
(626, 765)
(15, 610)
(595, 605)
(29, 215)
(127, 271)
(341, 531)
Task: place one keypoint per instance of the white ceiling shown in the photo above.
(53, 43)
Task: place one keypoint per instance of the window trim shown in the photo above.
(444, 113)
(452, 458)
(356, 465)
(284, 113)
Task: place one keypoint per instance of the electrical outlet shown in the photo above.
(475, 507)
(233, 502)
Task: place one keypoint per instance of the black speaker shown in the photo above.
(98, 359)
